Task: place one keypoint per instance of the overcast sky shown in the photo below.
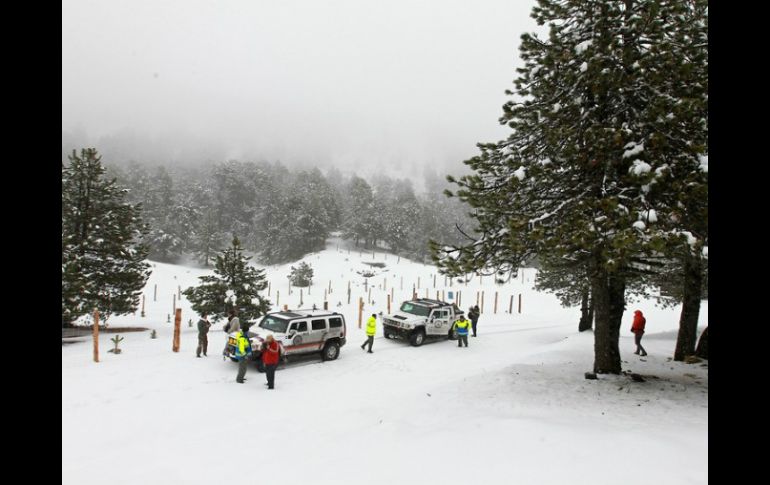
(346, 83)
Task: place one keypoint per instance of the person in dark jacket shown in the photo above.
(473, 314)
(203, 332)
(638, 329)
(271, 354)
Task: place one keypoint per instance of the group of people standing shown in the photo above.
(272, 350)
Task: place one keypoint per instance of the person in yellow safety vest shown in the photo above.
(371, 329)
(461, 327)
(242, 353)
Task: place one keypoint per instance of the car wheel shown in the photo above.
(417, 338)
(331, 351)
(387, 334)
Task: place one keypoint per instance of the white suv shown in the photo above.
(421, 318)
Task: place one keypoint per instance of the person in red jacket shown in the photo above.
(638, 329)
(271, 354)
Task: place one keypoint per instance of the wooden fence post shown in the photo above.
(174, 304)
(268, 288)
(510, 305)
(482, 301)
(495, 311)
(388, 304)
(519, 302)
(155, 293)
(277, 298)
(96, 335)
(177, 329)
(360, 310)
(142, 305)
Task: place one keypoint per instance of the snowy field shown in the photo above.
(512, 408)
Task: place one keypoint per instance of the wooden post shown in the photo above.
(482, 301)
(360, 310)
(477, 298)
(326, 305)
(437, 294)
(155, 293)
(96, 335)
(177, 329)
(519, 302)
(348, 293)
(388, 304)
(442, 295)
(142, 305)
(174, 307)
(434, 281)
(459, 299)
(300, 297)
(495, 311)
(510, 305)
(179, 292)
(330, 287)
(268, 288)
(277, 298)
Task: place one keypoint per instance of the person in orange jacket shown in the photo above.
(638, 329)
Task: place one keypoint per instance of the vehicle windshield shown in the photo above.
(418, 310)
(274, 324)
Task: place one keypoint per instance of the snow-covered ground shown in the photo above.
(512, 408)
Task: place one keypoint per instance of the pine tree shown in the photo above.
(103, 255)
(302, 275)
(608, 111)
(234, 285)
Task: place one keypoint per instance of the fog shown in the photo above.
(354, 84)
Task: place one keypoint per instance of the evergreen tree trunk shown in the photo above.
(702, 350)
(688, 320)
(586, 312)
(607, 329)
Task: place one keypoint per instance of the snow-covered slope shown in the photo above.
(511, 408)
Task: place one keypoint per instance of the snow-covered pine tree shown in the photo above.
(302, 275)
(103, 252)
(606, 108)
(234, 284)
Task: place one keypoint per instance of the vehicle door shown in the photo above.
(298, 334)
(319, 330)
(438, 322)
(336, 327)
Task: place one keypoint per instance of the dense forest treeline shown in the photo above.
(282, 214)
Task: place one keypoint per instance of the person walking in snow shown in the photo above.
(271, 354)
(242, 354)
(203, 335)
(462, 326)
(638, 329)
(473, 314)
(371, 329)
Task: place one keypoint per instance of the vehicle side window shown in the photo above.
(299, 326)
(318, 324)
(335, 322)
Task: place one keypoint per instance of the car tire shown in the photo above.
(331, 351)
(417, 338)
(387, 334)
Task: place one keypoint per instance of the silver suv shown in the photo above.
(422, 318)
(300, 332)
